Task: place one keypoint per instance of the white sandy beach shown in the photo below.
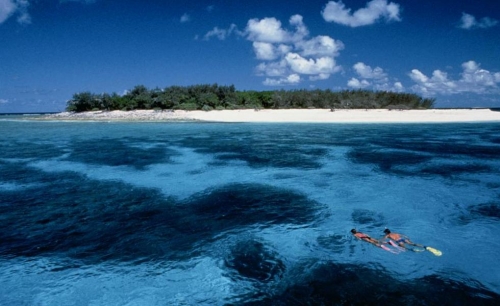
(289, 115)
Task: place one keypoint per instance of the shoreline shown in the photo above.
(284, 116)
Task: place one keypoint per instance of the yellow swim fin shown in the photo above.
(434, 251)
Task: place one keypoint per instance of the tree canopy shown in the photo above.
(209, 97)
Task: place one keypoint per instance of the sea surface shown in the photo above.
(193, 213)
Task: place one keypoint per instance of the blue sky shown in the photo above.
(51, 49)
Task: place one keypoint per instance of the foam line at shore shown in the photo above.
(289, 115)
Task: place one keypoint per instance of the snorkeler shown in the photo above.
(373, 241)
(365, 237)
(401, 240)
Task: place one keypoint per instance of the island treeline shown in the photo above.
(210, 97)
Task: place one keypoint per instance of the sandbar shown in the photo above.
(288, 115)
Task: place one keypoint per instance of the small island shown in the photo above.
(214, 103)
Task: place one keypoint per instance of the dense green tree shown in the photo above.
(208, 97)
(81, 102)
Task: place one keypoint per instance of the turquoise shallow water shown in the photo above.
(206, 213)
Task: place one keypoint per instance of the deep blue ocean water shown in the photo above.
(247, 214)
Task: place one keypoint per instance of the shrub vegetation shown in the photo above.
(215, 97)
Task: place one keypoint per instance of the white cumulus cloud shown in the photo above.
(335, 11)
(398, 87)
(19, 8)
(375, 78)
(473, 79)
(270, 30)
(290, 53)
(221, 34)
(355, 83)
(291, 79)
(10, 8)
(470, 22)
(267, 30)
(287, 53)
(320, 76)
(301, 30)
(7, 8)
(418, 76)
(367, 72)
(268, 51)
(264, 50)
(272, 69)
(302, 65)
(476, 76)
(320, 46)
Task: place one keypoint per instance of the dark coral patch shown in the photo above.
(115, 152)
(16, 149)
(449, 170)
(387, 160)
(114, 221)
(252, 259)
(484, 212)
(69, 215)
(488, 210)
(259, 146)
(240, 204)
(347, 284)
